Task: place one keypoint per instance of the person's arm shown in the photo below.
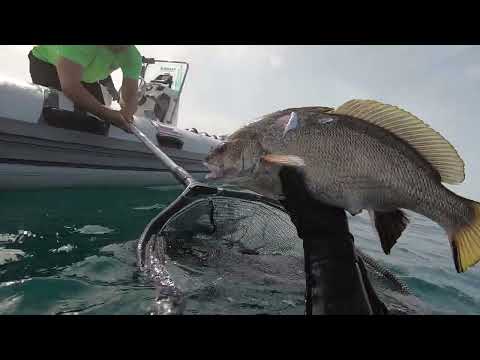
(70, 75)
(129, 98)
(131, 65)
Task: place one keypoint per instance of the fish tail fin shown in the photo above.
(465, 240)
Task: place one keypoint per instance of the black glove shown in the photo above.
(334, 281)
(313, 219)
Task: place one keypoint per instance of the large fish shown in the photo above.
(363, 155)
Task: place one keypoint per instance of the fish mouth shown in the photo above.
(216, 172)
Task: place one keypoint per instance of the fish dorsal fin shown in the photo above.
(427, 142)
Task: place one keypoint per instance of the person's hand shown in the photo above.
(127, 115)
(117, 119)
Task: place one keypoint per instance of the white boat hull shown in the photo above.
(18, 177)
(36, 154)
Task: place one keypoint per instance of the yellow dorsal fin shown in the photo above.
(428, 143)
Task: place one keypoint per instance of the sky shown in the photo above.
(230, 85)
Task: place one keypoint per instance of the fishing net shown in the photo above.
(248, 238)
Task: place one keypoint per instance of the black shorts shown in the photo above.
(45, 74)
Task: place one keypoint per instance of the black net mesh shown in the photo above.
(247, 242)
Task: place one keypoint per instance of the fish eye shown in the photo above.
(221, 149)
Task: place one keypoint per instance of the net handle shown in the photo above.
(180, 173)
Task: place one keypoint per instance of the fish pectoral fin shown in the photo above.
(286, 160)
(390, 226)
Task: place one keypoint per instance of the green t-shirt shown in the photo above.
(98, 61)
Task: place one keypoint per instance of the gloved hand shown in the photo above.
(312, 218)
(334, 282)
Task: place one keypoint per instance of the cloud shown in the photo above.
(473, 71)
(276, 61)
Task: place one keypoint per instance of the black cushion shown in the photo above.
(74, 121)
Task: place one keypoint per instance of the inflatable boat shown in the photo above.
(46, 142)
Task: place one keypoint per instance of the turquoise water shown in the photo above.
(74, 252)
